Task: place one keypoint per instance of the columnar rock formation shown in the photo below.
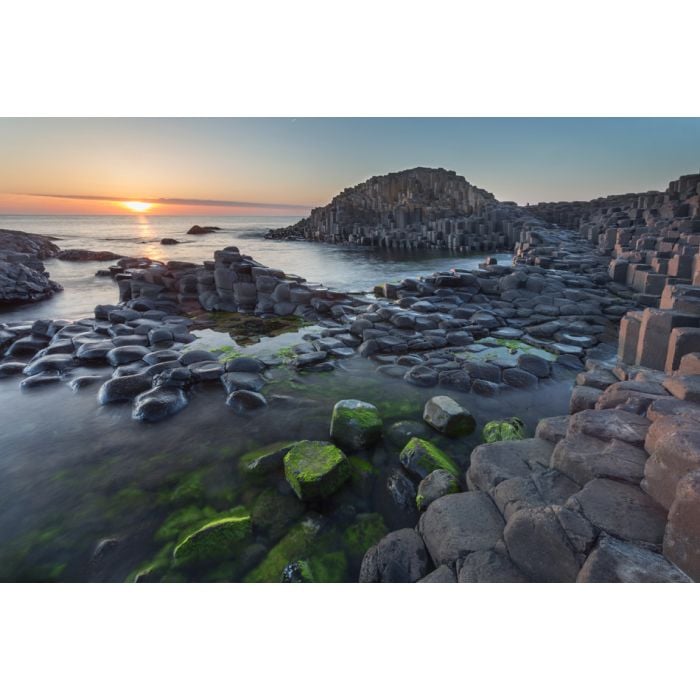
(417, 208)
(23, 277)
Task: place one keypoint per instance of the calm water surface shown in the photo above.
(340, 267)
(74, 474)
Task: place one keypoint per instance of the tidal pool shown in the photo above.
(88, 494)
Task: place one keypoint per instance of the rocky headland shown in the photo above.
(609, 492)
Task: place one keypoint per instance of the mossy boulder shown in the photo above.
(296, 544)
(436, 485)
(355, 425)
(216, 540)
(262, 461)
(499, 430)
(274, 512)
(420, 457)
(315, 469)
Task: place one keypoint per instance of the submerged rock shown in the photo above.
(355, 425)
(158, 403)
(436, 485)
(243, 401)
(123, 388)
(216, 540)
(315, 469)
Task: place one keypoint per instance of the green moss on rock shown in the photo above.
(420, 457)
(498, 431)
(296, 544)
(355, 425)
(330, 567)
(274, 512)
(264, 460)
(315, 469)
(216, 540)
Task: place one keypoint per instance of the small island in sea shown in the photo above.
(529, 412)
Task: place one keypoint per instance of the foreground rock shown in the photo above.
(315, 470)
(355, 425)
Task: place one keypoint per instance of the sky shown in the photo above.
(286, 166)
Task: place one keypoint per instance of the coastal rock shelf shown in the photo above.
(413, 209)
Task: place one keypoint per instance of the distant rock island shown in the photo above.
(413, 209)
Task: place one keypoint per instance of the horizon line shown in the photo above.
(182, 201)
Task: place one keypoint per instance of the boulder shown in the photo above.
(315, 469)
(448, 417)
(610, 424)
(534, 364)
(615, 561)
(539, 546)
(622, 510)
(443, 574)
(217, 540)
(421, 375)
(460, 523)
(583, 397)
(420, 457)
(355, 425)
(437, 484)
(125, 354)
(399, 557)
(682, 536)
(123, 388)
(489, 566)
(243, 401)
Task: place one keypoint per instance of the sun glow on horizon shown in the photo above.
(137, 207)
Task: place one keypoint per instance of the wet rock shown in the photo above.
(519, 378)
(421, 375)
(399, 557)
(264, 461)
(169, 241)
(401, 432)
(245, 364)
(402, 494)
(489, 566)
(443, 574)
(10, 369)
(456, 379)
(485, 388)
(84, 381)
(437, 484)
(191, 356)
(158, 403)
(125, 354)
(621, 510)
(315, 469)
(448, 417)
(243, 401)
(233, 381)
(355, 425)
(206, 371)
(458, 524)
(420, 457)
(217, 540)
(615, 561)
(40, 380)
(534, 364)
(123, 388)
(157, 356)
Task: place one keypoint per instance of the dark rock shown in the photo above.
(158, 403)
(242, 401)
(488, 566)
(123, 388)
(399, 557)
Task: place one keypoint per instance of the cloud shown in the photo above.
(175, 200)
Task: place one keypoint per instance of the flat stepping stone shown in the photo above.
(621, 510)
(508, 333)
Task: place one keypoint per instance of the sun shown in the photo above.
(138, 207)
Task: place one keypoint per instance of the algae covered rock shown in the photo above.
(265, 460)
(315, 469)
(355, 425)
(216, 540)
(420, 457)
(274, 512)
(499, 430)
(448, 417)
(365, 532)
(295, 545)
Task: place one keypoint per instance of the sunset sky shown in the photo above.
(285, 166)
